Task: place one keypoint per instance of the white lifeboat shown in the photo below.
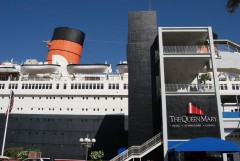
(122, 68)
(39, 68)
(88, 68)
(8, 67)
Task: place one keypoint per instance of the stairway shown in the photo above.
(140, 151)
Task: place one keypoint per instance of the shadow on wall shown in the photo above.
(112, 135)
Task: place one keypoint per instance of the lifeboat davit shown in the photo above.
(88, 68)
(39, 68)
(122, 68)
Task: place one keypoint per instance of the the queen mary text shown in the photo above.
(192, 119)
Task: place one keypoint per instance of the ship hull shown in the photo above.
(57, 136)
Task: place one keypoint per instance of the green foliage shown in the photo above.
(232, 5)
(97, 155)
(18, 152)
(22, 155)
(204, 77)
(13, 151)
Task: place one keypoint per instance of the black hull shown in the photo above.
(57, 136)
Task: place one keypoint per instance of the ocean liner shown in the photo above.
(59, 101)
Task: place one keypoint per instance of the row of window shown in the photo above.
(2, 86)
(36, 133)
(86, 86)
(68, 109)
(37, 86)
(225, 87)
(68, 97)
(90, 86)
(113, 86)
(73, 86)
(58, 119)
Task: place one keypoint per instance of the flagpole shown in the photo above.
(5, 131)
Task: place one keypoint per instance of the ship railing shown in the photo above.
(139, 151)
(189, 88)
(186, 49)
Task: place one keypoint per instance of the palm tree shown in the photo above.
(205, 77)
(232, 5)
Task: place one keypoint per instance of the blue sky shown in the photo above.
(24, 24)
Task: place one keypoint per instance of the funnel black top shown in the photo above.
(70, 34)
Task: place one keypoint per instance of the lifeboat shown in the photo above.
(39, 68)
(8, 67)
(88, 68)
(122, 68)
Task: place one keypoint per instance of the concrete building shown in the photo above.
(175, 103)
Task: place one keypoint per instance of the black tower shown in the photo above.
(142, 32)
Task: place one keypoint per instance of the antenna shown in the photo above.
(149, 5)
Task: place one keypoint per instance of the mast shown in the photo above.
(149, 5)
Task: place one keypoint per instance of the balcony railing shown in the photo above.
(189, 88)
(186, 49)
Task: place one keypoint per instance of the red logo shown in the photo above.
(194, 110)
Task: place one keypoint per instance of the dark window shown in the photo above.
(83, 86)
(117, 86)
(57, 87)
(237, 86)
(225, 87)
(90, 86)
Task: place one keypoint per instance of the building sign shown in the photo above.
(192, 116)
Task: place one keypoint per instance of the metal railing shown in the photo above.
(189, 88)
(186, 49)
(137, 151)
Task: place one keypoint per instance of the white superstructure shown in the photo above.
(43, 89)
